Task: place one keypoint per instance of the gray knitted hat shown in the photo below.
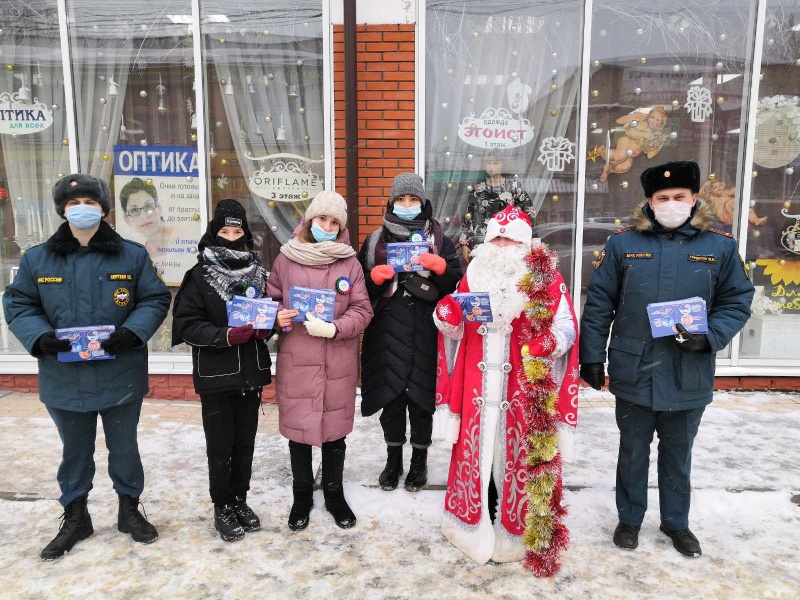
(407, 183)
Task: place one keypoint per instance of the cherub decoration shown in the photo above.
(723, 200)
(642, 133)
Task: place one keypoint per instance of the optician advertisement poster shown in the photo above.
(157, 197)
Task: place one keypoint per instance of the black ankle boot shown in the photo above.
(130, 520)
(245, 515)
(418, 472)
(226, 523)
(390, 477)
(332, 474)
(76, 525)
(302, 485)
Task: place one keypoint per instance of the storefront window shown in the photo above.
(34, 147)
(133, 74)
(773, 238)
(502, 90)
(264, 83)
(668, 82)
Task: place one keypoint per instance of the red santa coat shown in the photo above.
(462, 407)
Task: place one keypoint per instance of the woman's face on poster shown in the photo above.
(143, 214)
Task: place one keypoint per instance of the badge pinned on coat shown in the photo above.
(122, 296)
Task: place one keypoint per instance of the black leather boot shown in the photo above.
(226, 523)
(332, 474)
(684, 541)
(76, 525)
(245, 515)
(302, 485)
(390, 477)
(130, 520)
(418, 472)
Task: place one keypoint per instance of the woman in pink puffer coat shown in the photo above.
(317, 367)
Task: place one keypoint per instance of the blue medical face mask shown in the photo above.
(84, 216)
(407, 213)
(321, 235)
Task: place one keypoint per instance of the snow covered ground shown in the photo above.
(746, 470)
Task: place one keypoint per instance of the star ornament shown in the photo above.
(594, 154)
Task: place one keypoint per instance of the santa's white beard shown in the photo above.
(497, 271)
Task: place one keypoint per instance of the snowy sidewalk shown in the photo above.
(746, 470)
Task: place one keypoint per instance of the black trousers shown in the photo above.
(393, 421)
(230, 421)
(676, 432)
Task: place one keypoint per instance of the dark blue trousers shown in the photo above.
(676, 432)
(78, 431)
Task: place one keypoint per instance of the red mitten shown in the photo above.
(262, 334)
(432, 262)
(544, 345)
(239, 335)
(449, 311)
(380, 274)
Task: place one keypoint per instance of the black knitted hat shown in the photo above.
(229, 213)
(678, 174)
(81, 185)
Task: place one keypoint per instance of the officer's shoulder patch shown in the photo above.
(155, 268)
(719, 232)
(624, 229)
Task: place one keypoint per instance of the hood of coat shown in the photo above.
(105, 239)
(703, 217)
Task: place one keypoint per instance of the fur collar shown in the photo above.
(703, 217)
(105, 239)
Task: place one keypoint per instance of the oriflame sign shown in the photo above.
(285, 182)
(20, 117)
(495, 128)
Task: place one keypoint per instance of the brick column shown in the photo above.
(386, 114)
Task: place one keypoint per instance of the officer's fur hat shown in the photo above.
(84, 186)
(678, 174)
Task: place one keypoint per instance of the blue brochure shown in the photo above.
(475, 307)
(403, 257)
(258, 312)
(320, 302)
(85, 342)
(689, 312)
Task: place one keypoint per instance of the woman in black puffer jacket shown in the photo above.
(398, 356)
(230, 364)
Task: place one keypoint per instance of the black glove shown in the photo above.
(691, 342)
(119, 341)
(50, 344)
(594, 374)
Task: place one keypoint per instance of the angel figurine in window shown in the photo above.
(642, 133)
(722, 199)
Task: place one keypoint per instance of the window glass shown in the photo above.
(34, 148)
(669, 81)
(773, 238)
(502, 89)
(264, 83)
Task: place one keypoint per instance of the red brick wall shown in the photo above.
(385, 82)
(162, 387)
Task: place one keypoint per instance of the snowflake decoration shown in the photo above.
(188, 60)
(222, 182)
(575, 373)
(443, 311)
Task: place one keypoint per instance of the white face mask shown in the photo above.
(672, 213)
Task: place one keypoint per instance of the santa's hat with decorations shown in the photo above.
(511, 223)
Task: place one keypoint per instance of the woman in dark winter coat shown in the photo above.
(230, 365)
(398, 358)
(318, 361)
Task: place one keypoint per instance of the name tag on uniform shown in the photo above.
(50, 280)
(120, 277)
(703, 259)
(638, 255)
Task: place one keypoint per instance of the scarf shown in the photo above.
(396, 229)
(230, 272)
(320, 253)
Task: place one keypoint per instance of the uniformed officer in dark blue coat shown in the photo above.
(87, 275)
(661, 385)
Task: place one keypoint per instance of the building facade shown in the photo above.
(556, 106)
